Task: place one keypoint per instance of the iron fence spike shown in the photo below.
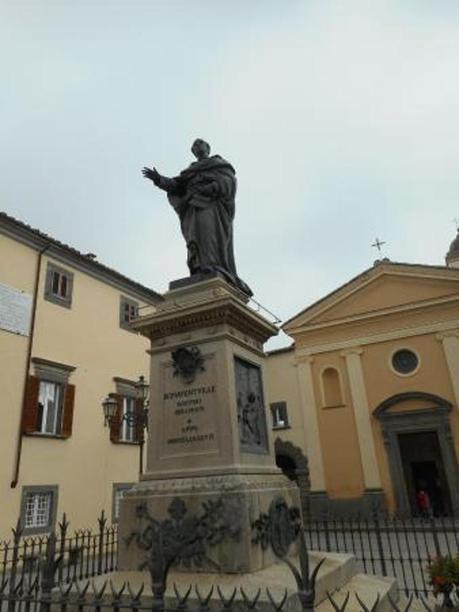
(393, 604)
(17, 528)
(98, 594)
(82, 592)
(182, 598)
(134, 596)
(277, 606)
(226, 602)
(424, 603)
(116, 594)
(343, 606)
(251, 603)
(204, 600)
(364, 607)
(140, 591)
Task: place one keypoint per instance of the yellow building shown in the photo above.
(369, 392)
(65, 344)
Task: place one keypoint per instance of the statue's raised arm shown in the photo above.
(203, 196)
(164, 183)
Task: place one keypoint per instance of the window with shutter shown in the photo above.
(127, 426)
(30, 414)
(50, 400)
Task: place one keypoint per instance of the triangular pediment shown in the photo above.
(384, 288)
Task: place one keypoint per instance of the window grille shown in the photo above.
(38, 509)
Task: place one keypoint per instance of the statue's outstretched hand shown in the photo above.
(152, 174)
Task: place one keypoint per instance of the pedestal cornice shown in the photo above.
(213, 304)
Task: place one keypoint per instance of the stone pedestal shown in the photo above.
(210, 453)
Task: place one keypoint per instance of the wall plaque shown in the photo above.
(250, 407)
(189, 409)
(15, 310)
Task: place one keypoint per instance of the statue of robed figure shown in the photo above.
(203, 196)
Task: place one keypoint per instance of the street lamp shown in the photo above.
(109, 406)
(137, 419)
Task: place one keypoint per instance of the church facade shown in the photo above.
(368, 393)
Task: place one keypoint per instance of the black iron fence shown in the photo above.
(40, 573)
(82, 553)
(402, 548)
(45, 593)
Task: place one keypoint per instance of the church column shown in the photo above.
(372, 478)
(450, 341)
(311, 425)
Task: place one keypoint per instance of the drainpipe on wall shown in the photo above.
(17, 462)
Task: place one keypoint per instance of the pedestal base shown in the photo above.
(227, 506)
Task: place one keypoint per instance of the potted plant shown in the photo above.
(444, 578)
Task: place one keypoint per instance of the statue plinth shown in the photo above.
(210, 442)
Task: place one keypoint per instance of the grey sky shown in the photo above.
(341, 118)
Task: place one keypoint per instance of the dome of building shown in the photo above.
(452, 256)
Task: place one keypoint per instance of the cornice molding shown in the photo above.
(166, 323)
(357, 350)
(304, 359)
(71, 257)
(448, 334)
(377, 314)
(433, 328)
(365, 278)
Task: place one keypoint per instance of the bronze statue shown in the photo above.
(203, 196)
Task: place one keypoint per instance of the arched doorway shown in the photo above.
(294, 464)
(420, 451)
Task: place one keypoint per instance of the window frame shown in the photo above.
(59, 410)
(278, 407)
(127, 301)
(404, 374)
(46, 371)
(50, 294)
(125, 427)
(27, 490)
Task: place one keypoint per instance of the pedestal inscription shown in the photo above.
(250, 408)
(188, 408)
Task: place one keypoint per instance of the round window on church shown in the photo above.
(405, 362)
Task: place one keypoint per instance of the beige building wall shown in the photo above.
(89, 338)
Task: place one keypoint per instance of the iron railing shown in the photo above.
(41, 573)
(83, 553)
(388, 546)
(45, 593)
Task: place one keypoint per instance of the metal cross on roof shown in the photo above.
(378, 244)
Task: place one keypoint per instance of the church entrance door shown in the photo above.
(423, 468)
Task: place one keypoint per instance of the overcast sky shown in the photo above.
(340, 117)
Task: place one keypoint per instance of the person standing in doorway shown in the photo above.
(424, 505)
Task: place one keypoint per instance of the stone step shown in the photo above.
(367, 587)
(336, 572)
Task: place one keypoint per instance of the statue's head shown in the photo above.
(200, 149)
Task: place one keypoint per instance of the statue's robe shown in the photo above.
(207, 219)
